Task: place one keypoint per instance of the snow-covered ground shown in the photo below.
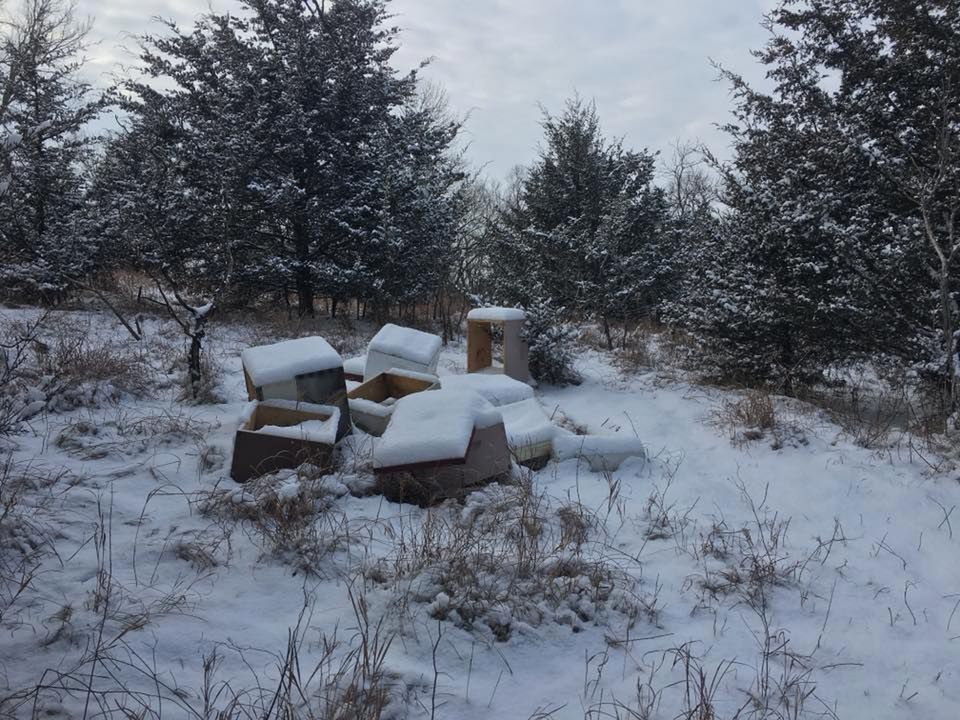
(794, 575)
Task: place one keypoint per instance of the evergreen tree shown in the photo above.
(302, 151)
(582, 226)
(44, 107)
(825, 255)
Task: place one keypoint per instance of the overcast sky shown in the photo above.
(645, 62)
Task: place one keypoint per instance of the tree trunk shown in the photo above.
(949, 345)
(606, 331)
(301, 242)
(193, 357)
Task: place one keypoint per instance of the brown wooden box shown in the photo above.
(516, 353)
(377, 389)
(259, 453)
(327, 387)
(487, 458)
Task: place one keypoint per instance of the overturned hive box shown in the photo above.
(277, 434)
(602, 452)
(529, 433)
(303, 370)
(403, 348)
(372, 403)
(439, 445)
(481, 324)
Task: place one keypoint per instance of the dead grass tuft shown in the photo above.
(291, 514)
(508, 558)
(746, 418)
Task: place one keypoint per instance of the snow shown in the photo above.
(432, 426)
(498, 389)
(602, 452)
(282, 361)
(413, 375)
(317, 431)
(496, 314)
(402, 342)
(369, 407)
(355, 365)
(202, 311)
(526, 423)
(870, 610)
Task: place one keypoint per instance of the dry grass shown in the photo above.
(26, 532)
(130, 433)
(349, 337)
(752, 559)
(290, 514)
(749, 417)
(496, 563)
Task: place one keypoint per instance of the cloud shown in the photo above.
(647, 64)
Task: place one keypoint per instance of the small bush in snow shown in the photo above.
(551, 342)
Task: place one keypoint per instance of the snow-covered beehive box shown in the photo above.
(602, 452)
(516, 354)
(440, 444)
(304, 370)
(277, 434)
(372, 403)
(404, 348)
(529, 432)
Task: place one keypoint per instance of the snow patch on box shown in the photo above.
(414, 345)
(316, 431)
(526, 423)
(496, 314)
(355, 365)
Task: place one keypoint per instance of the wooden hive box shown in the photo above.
(516, 353)
(277, 434)
(396, 347)
(370, 403)
(440, 445)
(303, 370)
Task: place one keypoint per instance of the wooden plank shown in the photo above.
(399, 386)
(284, 417)
(479, 346)
(374, 389)
(251, 390)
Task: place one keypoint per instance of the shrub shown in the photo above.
(551, 342)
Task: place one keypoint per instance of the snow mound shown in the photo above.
(433, 426)
(269, 364)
